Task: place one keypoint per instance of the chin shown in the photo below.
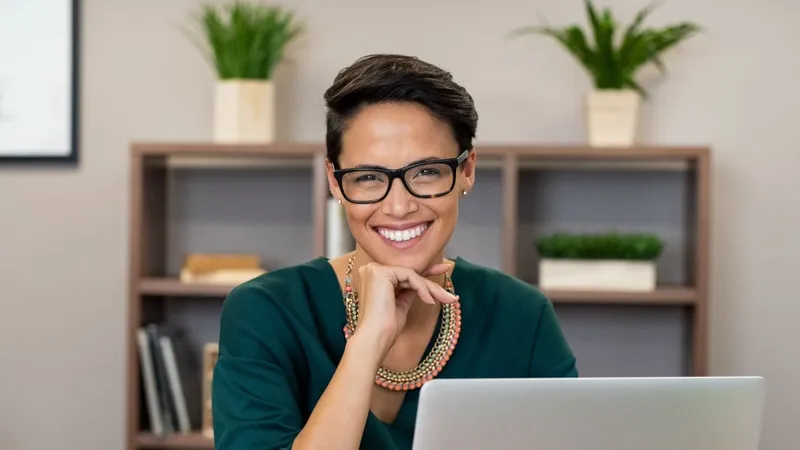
(412, 244)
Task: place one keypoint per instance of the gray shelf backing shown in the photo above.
(625, 340)
(478, 235)
(268, 212)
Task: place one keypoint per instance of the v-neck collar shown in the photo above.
(335, 335)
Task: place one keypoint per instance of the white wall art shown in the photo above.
(39, 80)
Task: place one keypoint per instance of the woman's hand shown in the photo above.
(385, 295)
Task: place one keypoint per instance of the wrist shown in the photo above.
(370, 346)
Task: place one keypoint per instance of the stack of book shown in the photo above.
(170, 378)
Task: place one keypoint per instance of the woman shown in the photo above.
(331, 354)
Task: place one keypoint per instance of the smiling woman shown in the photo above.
(332, 353)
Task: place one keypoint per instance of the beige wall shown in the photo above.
(63, 231)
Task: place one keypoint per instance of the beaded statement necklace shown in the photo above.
(433, 362)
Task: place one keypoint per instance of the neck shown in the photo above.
(420, 311)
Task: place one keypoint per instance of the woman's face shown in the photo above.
(401, 229)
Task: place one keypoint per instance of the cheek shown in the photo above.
(359, 214)
(446, 209)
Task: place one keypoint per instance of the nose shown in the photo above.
(398, 202)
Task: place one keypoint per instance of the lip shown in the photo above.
(402, 226)
(403, 245)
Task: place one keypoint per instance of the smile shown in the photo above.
(404, 235)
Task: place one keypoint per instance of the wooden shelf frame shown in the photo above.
(664, 295)
(194, 441)
(151, 164)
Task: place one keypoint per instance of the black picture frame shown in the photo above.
(67, 152)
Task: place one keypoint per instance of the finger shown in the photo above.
(405, 298)
(440, 293)
(409, 279)
(427, 290)
(419, 289)
(436, 269)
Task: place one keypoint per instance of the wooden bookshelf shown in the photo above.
(156, 168)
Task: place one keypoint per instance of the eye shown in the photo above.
(429, 171)
(366, 178)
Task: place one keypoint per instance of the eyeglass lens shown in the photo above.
(430, 179)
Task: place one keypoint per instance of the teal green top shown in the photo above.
(281, 339)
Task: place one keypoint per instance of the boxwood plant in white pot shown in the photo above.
(600, 261)
(613, 56)
(245, 42)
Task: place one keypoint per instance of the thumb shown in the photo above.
(404, 298)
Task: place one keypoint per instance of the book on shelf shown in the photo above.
(210, 356)
(221, 268)
(338, 239)
(171, 380)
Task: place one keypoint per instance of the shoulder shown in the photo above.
(272, 302)
(287, 285)
(521, 313)
(518, 318)
(501, 291)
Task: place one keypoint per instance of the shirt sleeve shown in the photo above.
(254, 392)
(552, 356)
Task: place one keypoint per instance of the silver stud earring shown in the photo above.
(464, 192)
(340, 201)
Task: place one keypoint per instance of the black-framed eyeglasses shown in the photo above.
(424, 179)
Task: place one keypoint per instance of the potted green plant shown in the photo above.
(612, 57)
(244, 43)
(598, 261)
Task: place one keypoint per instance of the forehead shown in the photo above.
(394, 135)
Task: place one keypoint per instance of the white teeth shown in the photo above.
(402, 235)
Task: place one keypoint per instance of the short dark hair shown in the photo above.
(384, 78)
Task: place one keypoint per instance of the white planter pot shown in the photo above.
(612, 117)
(610, 275)
(244, 111)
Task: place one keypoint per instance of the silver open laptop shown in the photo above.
(683, 413)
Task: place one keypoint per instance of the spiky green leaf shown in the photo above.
(611, 64)
(245, 40)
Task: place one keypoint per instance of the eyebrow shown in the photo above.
(373, 166)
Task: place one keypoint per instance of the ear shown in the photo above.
(333, 185)
(468, 172)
